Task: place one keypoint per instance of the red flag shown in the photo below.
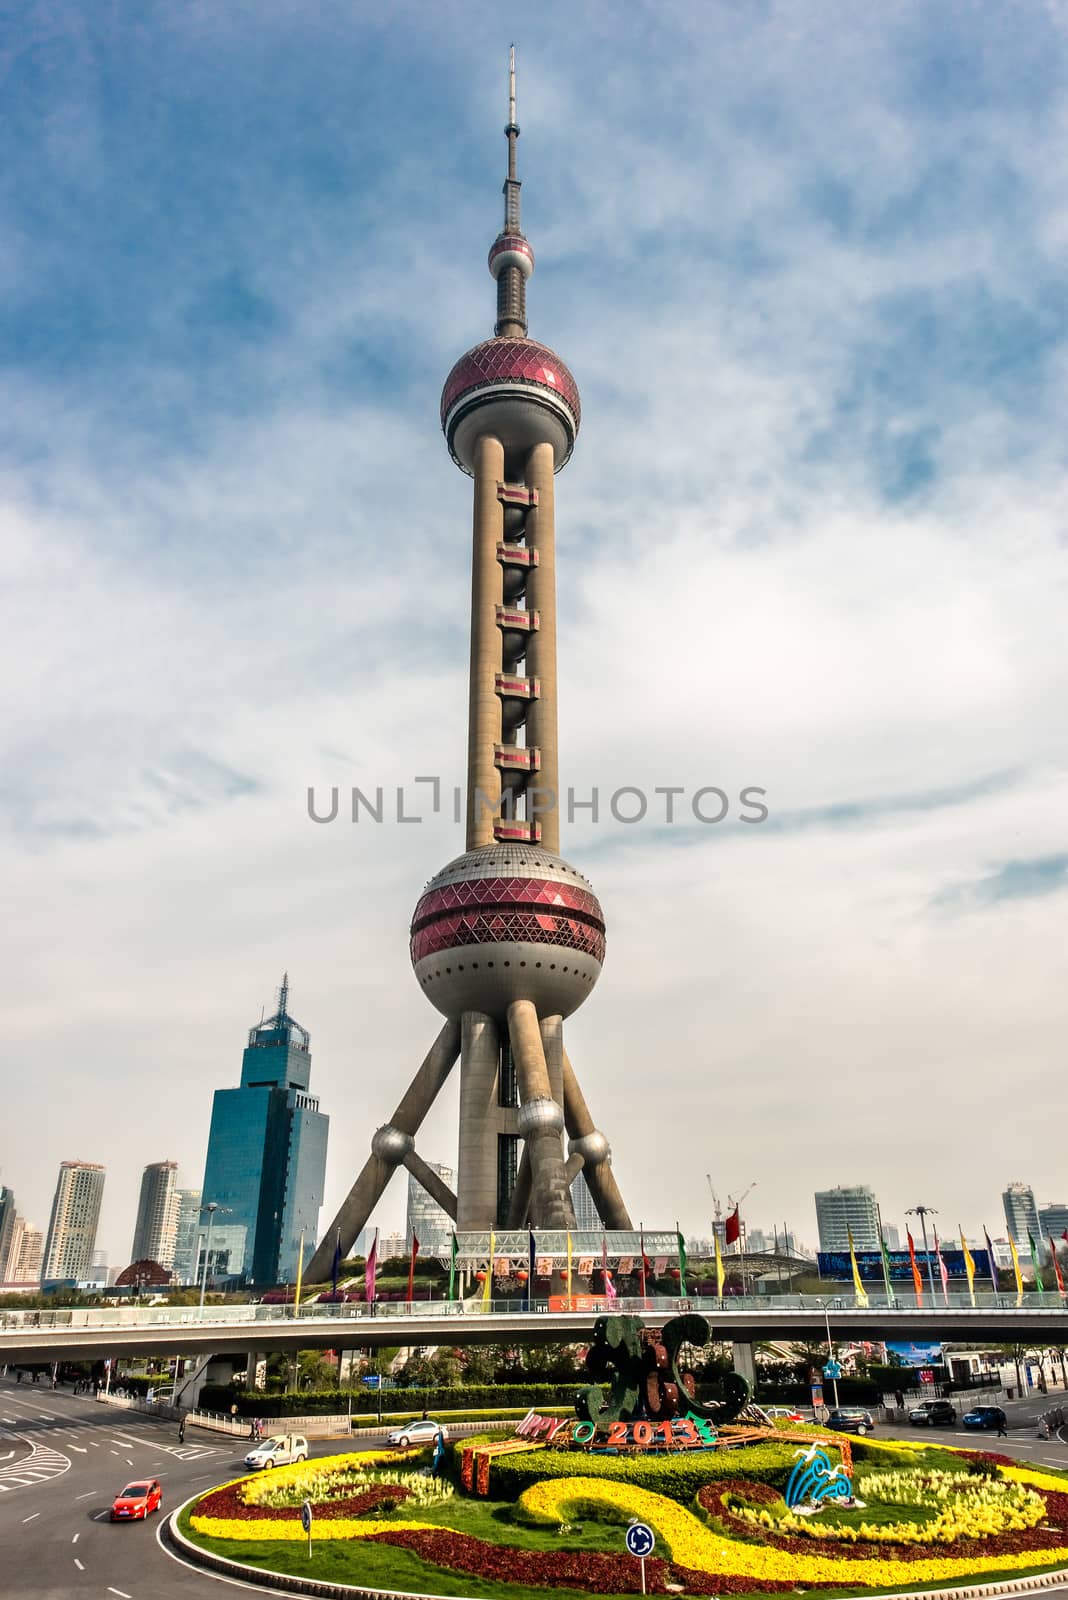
(732, 1228)
(411, 1267)
(917, 1281)
(1056, 1264)
(370, 1288)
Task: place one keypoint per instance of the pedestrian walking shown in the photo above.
(181, 1430)
(1001, 1433)
(899, 1400)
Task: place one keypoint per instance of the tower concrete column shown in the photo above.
(487, 593)
(744, 1363)
(476, 1174)
(542, 728)
(541, 1121)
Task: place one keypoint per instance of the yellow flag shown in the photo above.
(300, 1274)
(487, 1287)
(969, 1263)
(861, 1292)
(1016, 1270)
(720, 1274)
(569, 1272)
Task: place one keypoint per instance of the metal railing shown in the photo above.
(131, 1317)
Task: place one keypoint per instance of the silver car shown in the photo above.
(423, 1432)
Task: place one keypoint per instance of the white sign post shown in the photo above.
(641, 1541)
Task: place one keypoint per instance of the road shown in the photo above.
(63, 1458)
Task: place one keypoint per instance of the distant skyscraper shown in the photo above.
(1021, 1213)
(7, 1228)
(27, 1266)
(267, 1151)
(587, 1219)
(430, 1221)
(893, 1236)
(1053, 1220)
(156, 1229)
(839, 1211)
(68, 1251)
(185, 1239)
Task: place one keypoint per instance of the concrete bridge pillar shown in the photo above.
(252, 1370)
(745, 1364)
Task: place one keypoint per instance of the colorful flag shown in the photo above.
(337, 1260)
(645, 1266)
(682, 1261)
(569, 1272)
(720, 1274)
(1058, 1274)
(969, 1262)
(943, 1270)
(1039, 1285)
(992, 1258)
(917, 1281)
(487, 1287)
(370, 1273)
(300, 1270)
(452, 1267)
(609, 1286)
(861, 1292)
(732, 1228)
(1016, 1270)
(411, 1267)
(886, 1267)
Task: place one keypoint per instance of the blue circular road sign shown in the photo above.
(306, 1516)
(640, 1539)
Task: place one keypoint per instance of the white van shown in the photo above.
(278, 1451)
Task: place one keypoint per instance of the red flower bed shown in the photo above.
(592, 1571)
(228, 1503)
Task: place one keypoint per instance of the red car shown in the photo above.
(137, 1500)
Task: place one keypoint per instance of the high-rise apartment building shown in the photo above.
(426, 1217)
(842, 1211)
(25, 1267)
(156, 1229)
(266, 1161)
(71, 1239)
(1021, 1213)
(185, 1239)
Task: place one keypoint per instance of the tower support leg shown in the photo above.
(480, 1118)
(593, 1147)
(388, 1148)
(541, 1120)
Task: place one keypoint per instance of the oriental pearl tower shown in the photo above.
(508, 939)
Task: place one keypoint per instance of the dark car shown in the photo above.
(933, 1414)
(851, 1419)
(984, 1417)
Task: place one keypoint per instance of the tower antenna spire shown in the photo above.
(283, 995)
(511, 260)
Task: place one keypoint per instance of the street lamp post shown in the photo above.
(211, 1209)
(923, 1212)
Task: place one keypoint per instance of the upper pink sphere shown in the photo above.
(516, 388)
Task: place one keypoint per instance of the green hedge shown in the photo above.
(331, 1402)
(677, 1476)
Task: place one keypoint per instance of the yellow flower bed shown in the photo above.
(324, 1528)
(279, 1477)
(694, 1545)
(968, 1508)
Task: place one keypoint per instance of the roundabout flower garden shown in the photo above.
(514, 1519)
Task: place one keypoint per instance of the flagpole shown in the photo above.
(882, 1252)
(300, 1275)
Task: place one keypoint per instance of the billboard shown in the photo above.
(914, 1352)
(836, 1264)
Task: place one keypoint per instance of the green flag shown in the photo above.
(1039, 1285)
(886, 1267)
(682, 1262)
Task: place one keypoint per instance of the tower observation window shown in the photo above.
(507, 1166)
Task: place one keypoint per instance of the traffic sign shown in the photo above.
(306, 1522)
(832, 1370)
(640, 1539)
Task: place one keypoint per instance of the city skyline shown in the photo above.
(815, 517)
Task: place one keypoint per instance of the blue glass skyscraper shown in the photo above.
(266, 1159)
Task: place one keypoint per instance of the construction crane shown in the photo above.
(735, 1203)
(717, 1208)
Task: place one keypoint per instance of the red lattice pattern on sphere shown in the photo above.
(510, 361)
(508, 910)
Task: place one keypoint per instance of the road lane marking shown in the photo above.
(86, 1495)
(78, 1564)
(120, 1592)
(82, 1451)
(32, 1516)
(98, 1516)
(77, 1536)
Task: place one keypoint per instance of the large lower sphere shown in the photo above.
(508, 922)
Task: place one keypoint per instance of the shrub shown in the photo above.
(330, 1402)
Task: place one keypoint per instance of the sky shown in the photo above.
(806, 261)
